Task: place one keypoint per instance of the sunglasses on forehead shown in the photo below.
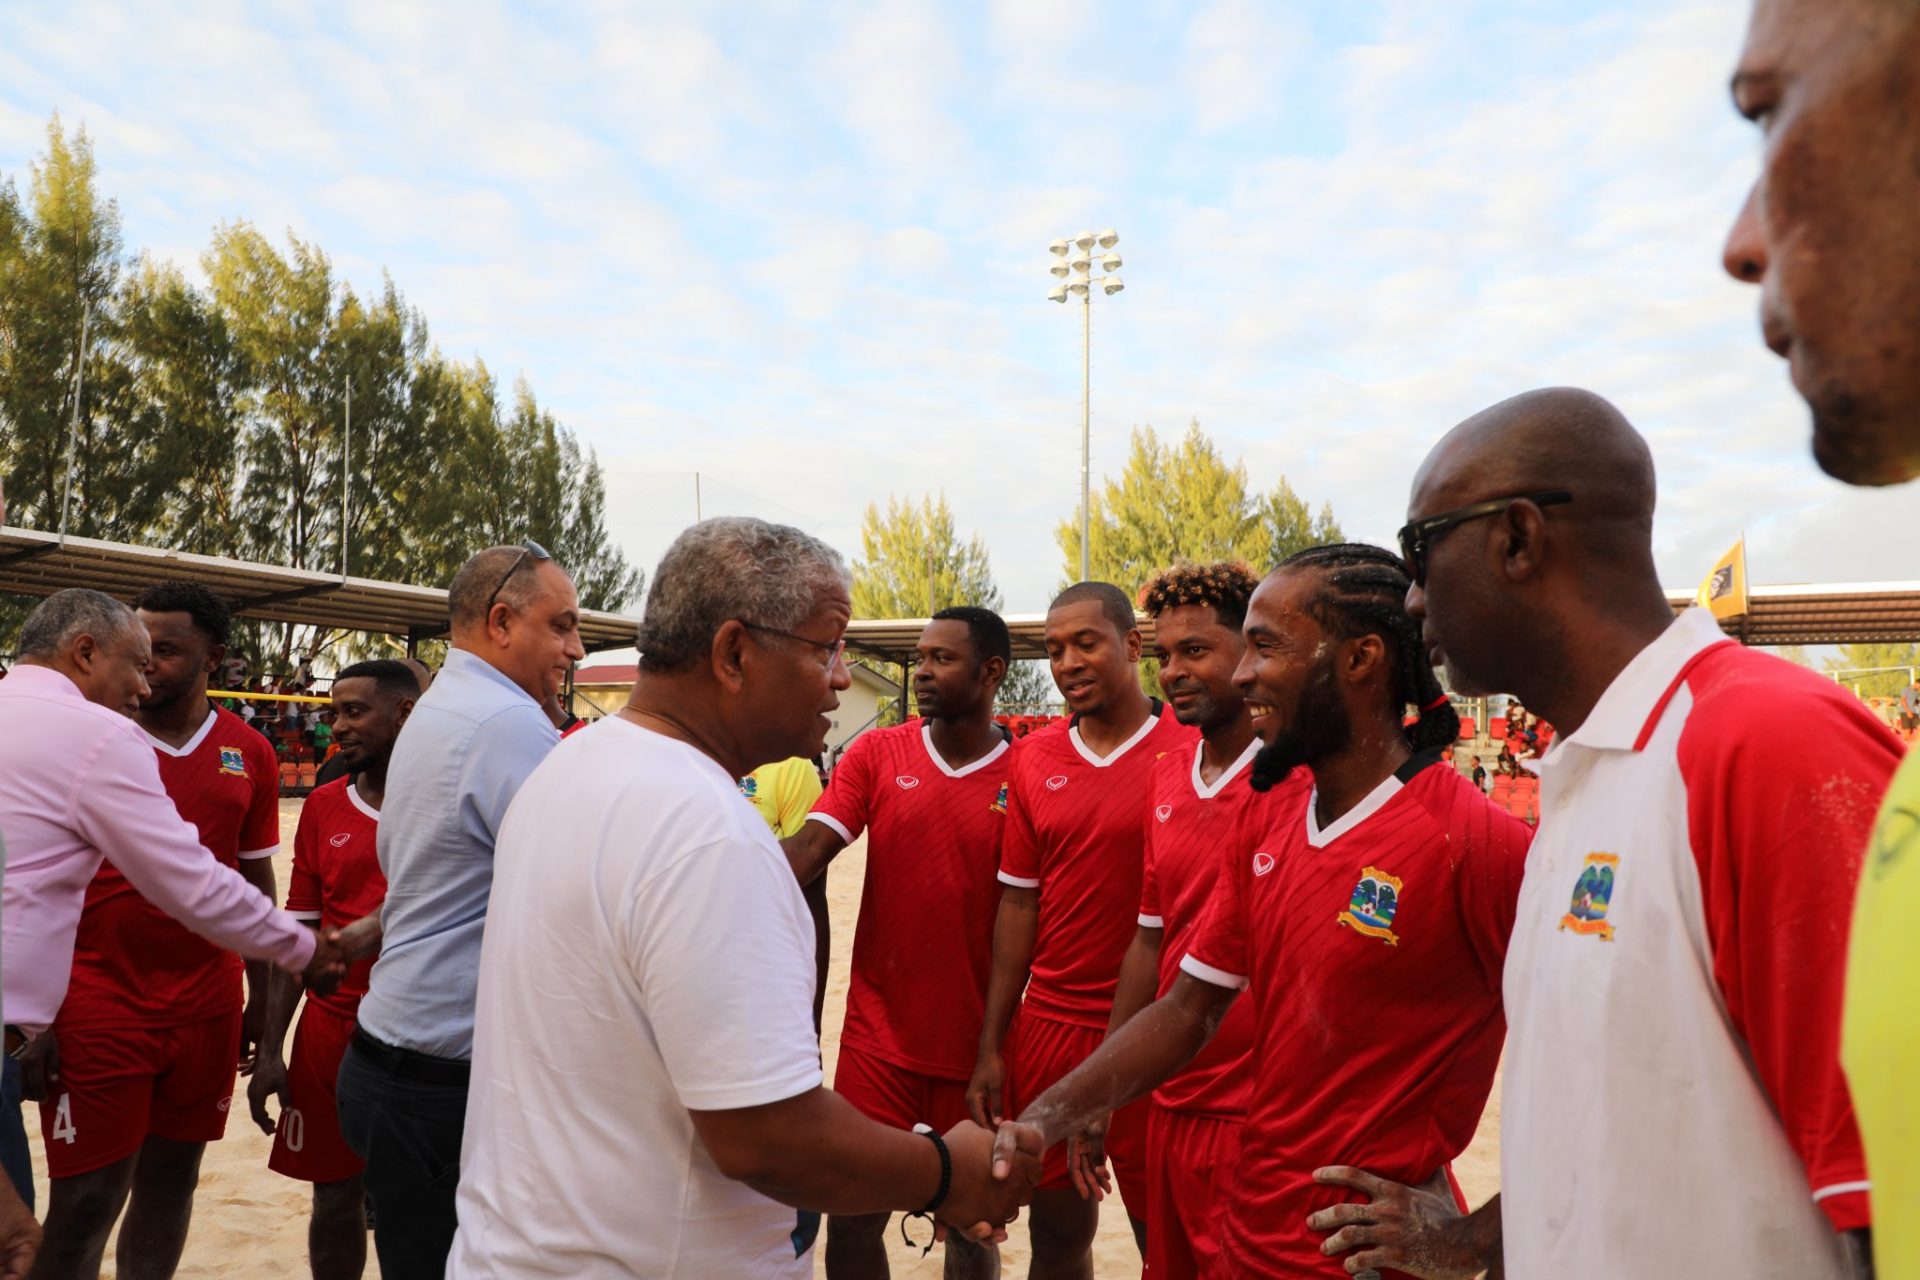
(1417, 538)
(529, 550)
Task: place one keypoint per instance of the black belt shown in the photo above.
(406, 1064)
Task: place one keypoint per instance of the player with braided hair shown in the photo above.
(1369, 920)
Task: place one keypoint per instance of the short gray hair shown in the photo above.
(732, 567)
(486, 572)
(77, 611)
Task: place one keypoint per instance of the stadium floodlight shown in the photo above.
(1075, 254)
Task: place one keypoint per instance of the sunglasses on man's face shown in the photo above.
(1417, 538)
(529, 550)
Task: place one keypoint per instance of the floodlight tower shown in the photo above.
(1073, 263)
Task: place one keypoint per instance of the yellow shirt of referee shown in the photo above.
(783, 793)
(1881, 1041)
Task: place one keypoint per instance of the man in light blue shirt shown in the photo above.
(471, 741)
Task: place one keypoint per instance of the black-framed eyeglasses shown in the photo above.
(529, 550)
(833, 651)
(1418, 537)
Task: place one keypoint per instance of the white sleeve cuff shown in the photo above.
(1152, 922)
(832, 824)
(306, 917)
(1019, 882)
(248, 855)
(1841, 1189)
(1207, 973)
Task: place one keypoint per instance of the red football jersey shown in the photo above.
(1076, 831)
(132, 961)
(925, 937)
(1373, 951)
(1192, 830)
(336, 874)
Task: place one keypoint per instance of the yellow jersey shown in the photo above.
(783, 793)
(1880, 1043)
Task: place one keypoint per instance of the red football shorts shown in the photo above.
(894, 1095)
(1193, 1156)
(1039, 1051)
(119, 1085)
(306, 1143)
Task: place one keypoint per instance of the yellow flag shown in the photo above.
(1724, 590)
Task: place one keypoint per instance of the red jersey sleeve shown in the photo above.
(844, 805)
(303, 883)
(1219, 951)
(1779, 839)
(1493, 859)
(260, 832)
(1151, 914)
(1019, 846)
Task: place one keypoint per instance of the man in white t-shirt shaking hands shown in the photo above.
(646, 1094)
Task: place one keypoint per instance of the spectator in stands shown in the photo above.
(302, 681)
(1481, 778)
(1910, 709)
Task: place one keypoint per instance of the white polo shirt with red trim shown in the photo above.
(1673, 1101)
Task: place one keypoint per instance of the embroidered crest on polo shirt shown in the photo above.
(749, 786)
(1056, 782)
(340, 840)
(1375, 901)
(1164, 812)
(1262, 863)
(907, 782)
(1592, 894)
(233, 762)
(999, 804)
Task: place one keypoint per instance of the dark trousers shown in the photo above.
(407, 1129)
(14, 1158)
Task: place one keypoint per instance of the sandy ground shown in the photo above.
(250, 1222)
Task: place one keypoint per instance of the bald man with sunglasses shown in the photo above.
(471, 741)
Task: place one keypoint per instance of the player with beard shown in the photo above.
(1370, 924)
(1071, 862)
(152, 1028)
(1201, 804)
(336, 884)
(931, 796)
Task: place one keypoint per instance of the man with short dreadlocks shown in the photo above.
(1370, 923)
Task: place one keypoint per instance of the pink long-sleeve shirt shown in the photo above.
(79, 783)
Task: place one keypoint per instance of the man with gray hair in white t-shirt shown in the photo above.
(646, 1095)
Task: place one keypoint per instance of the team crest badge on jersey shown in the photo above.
(1592, 894)
(232, 762)
(999, 804)
(1164, 812)
(749, 786)
(907, 782)
(1375, 901)
(1056, 782)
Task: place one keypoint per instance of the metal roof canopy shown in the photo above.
(1841, 613)
(36, 563)
(1824, 613)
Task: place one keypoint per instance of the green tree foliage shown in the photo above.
(217, 421)
(1863, 658)
(912, 564)
(1181, 500)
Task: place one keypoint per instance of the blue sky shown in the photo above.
(800, 248)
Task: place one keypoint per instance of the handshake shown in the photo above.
(336, 949)
(994, 1173)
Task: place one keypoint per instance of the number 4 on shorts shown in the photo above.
(63, 1119)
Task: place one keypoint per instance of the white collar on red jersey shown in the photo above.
(1631, 703)
(1232, 771)
(1373, 802)
(193, 743)
(353, 794)
(1101, 762)
(940, 763)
